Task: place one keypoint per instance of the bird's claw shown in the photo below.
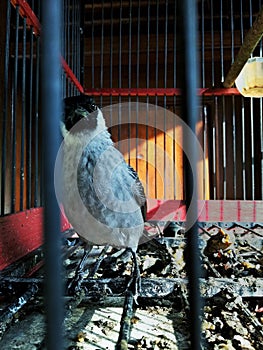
(75, 284)
(137, 290)
(134, 286)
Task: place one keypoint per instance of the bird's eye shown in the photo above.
(92, 107)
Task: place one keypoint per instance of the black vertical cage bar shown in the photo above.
(92, 48)
(147, 146)
(129, 131)
(102, 50)
(261, 145)
(214, 187)
(234, 130)
(147, 85)
(130, 45)
(30, 119)
(78, 39)
(14, 114)
(221, 42)
(37, 174)
(120, 47)
(215, 149)
(188, 69)
(156, 98)
(261, 128)
(252, 149)
(4, 111)
(157, 48)
(74, 42)
(204, 107)
(120, 69)
(51, 112)
(23, 119)
(243, 136)
(111, 45)
(203, 41)
(81, 40)
(232, 31)
(212, 44)
(164, 97)
(233, 106)
(111, 52)
(205, 147)
(148, 45)
(261, 142)
(130, 77)
(137, 129)
(138, 45)
(223, 150)
(68, 45)
(164, 151)
(78, 26)
(147, 98)
(138, 74)
(224, 147)
(243, 121)
(174, 99)
(71, 45)
(155, 149)
(63, 48)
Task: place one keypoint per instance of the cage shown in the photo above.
(132, 57)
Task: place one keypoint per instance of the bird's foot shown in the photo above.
(75, 284)
(134, 285)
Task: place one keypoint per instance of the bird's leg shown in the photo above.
(99, 261)
(134, 284)
(75, 284)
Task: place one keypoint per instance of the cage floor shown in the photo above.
(231, 285)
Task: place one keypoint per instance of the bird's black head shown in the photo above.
(80, 107)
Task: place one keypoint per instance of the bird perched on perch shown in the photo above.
(103, 197)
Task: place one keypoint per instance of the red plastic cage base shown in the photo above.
(22, 233)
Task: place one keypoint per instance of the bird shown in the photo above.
(102, 195)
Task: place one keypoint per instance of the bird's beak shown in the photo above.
(81, 113)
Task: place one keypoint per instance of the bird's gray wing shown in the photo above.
(109, 188)
(138, 191)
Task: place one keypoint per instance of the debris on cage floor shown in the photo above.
(231, 284)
